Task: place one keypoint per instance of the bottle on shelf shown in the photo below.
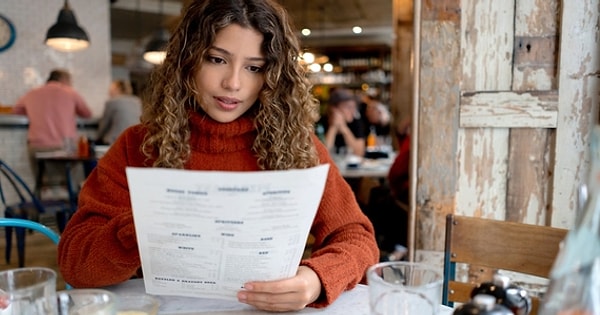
(575, 276)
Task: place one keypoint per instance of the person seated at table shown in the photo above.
(344, 130)
(230, 96)
(121, 111)
(52, 110)
(375, 114)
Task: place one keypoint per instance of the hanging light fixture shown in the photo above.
(156, 49)
(65, 34)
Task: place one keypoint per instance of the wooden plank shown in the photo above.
(487, 50)
(438, 124)
(578, 105)
(535, 68)
(441, 10)
(528, 175)
(508, 109)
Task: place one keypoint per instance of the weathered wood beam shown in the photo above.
(508, 109)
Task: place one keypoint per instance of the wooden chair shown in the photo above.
(485, 243)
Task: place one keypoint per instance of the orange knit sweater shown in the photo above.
(99, 248)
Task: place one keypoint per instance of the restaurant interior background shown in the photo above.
(502, 133)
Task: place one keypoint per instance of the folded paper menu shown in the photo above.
(206, 233)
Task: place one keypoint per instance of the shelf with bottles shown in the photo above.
(355, 69)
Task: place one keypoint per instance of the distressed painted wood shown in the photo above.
(530, 153)
(579, 86)
(526, 171)
(509, 109)
(486, 55)
(438, 122)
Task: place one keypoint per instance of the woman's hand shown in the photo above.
(283, 295)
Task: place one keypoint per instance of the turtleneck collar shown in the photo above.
(211, 136)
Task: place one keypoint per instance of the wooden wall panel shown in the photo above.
(486, 53)
(438, 122)
(579, 87)
(529, 166)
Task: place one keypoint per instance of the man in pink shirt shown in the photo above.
(52, 110)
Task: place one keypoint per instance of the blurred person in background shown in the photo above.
(375, 114)
(52, 110)
(122, 110)
(342, 123)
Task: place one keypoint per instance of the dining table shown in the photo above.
(352, 302)
(357, 167)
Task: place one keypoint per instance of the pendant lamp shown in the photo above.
(156, 49)
(65, 34)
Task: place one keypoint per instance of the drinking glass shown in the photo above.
(404, 288)
(137, 304)
(29, 291)
(86, 302)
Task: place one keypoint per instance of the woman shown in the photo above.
(230, 95)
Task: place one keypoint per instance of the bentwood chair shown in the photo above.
(34, 226)
(497, 245)
(27, 206)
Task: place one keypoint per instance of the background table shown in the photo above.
(377, 168)
(354, 302)
(66, 160)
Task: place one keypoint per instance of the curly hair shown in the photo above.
(285, 112)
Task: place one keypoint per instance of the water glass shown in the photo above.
(29, 291)
(86, 302)
(137, 304)
(404, 288)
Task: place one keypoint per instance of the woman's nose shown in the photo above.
(231, 81)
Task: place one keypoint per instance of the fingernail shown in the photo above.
(248, 286)
(242, 297)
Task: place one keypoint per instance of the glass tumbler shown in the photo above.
(30, 291)
(404, 288)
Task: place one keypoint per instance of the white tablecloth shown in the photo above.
(354, 302)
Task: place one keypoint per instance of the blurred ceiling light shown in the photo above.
(328, 67)
(315, 67)
(306, 31)
(356, 29)
(65, 34)
(308, 57)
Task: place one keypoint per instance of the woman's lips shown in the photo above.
(227, 103)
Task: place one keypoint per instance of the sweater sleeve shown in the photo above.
(345, 244)
(98, 247)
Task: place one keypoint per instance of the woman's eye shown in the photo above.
(215, 59)
(255, 69)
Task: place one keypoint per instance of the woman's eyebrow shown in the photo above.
(229, 54)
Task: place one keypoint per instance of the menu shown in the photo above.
(206, 233)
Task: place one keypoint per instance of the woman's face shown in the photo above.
(231, 75)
